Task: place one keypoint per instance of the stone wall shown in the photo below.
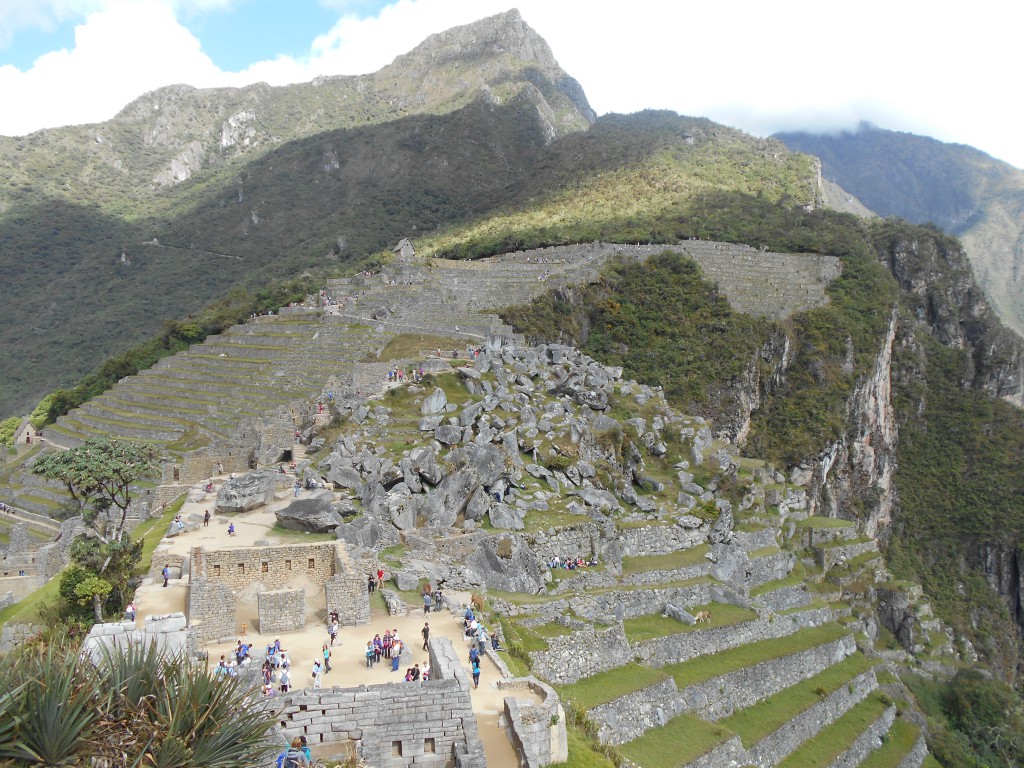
(282, 610)
(867, 742)
(729, 752)
(167, 631)
(396, 724)
(271, 566)
(653, 540)
(537, 731)
(581, 654)
(785, 598)
(13, 635)
(684, 646)
(915, 758)
(18, 586)
(347, 594)
(211, 610)
(6, 599)
(618, 605)
(772, 749)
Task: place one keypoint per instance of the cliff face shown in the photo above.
(853, 476)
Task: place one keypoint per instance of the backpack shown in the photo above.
(292, 760)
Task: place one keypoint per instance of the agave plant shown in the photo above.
(135, 707)
(55, 713)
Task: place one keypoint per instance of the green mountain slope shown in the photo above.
(107, 230)
(964, 191)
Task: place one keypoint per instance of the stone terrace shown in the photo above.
(444, 295)
(273, 364)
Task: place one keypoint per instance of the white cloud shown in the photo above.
(907, 65)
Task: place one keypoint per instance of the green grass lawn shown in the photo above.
(766, 717)
(707, 667)
(836, 738)
(680, 741)
(151, 531)
(608, 686)
(823, 522)
(680, 559)
(656, 625)
(411, 345)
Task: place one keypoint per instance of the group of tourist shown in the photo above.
(570, 563)
(397, 374)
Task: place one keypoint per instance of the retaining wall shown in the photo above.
(684, 646)
(629, 717)
(772, 749)
(582, 654)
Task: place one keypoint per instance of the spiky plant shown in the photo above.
(57, 710)
(136, 706)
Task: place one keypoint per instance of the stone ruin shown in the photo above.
(217, 575)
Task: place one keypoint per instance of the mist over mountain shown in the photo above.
(958, 188)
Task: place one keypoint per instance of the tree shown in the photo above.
(99, 475)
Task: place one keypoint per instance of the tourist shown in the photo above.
(427, 601)
(286, 681)
(295, 757)
(386, 643)
(298, 486)
(231, 529)
(437, 601)
(129, 612)
(371, 584)
(380, 575)
(378, 649)
(206, 519)
(426, 671)
(426, 634)
(318, 669)
(272, 654)
(476, 673)
(327, 658)
(370, 654)
(332, 630)
(166, 573)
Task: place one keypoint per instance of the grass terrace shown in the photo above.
(832, 740)
(707, 667)
(607, 686)
(766, 717)
(680, 741)
(656, 625)
(902, 737)
(682, 558)
(823, 522)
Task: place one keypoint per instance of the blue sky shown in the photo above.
(925, 67)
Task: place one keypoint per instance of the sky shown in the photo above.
(933, 68)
